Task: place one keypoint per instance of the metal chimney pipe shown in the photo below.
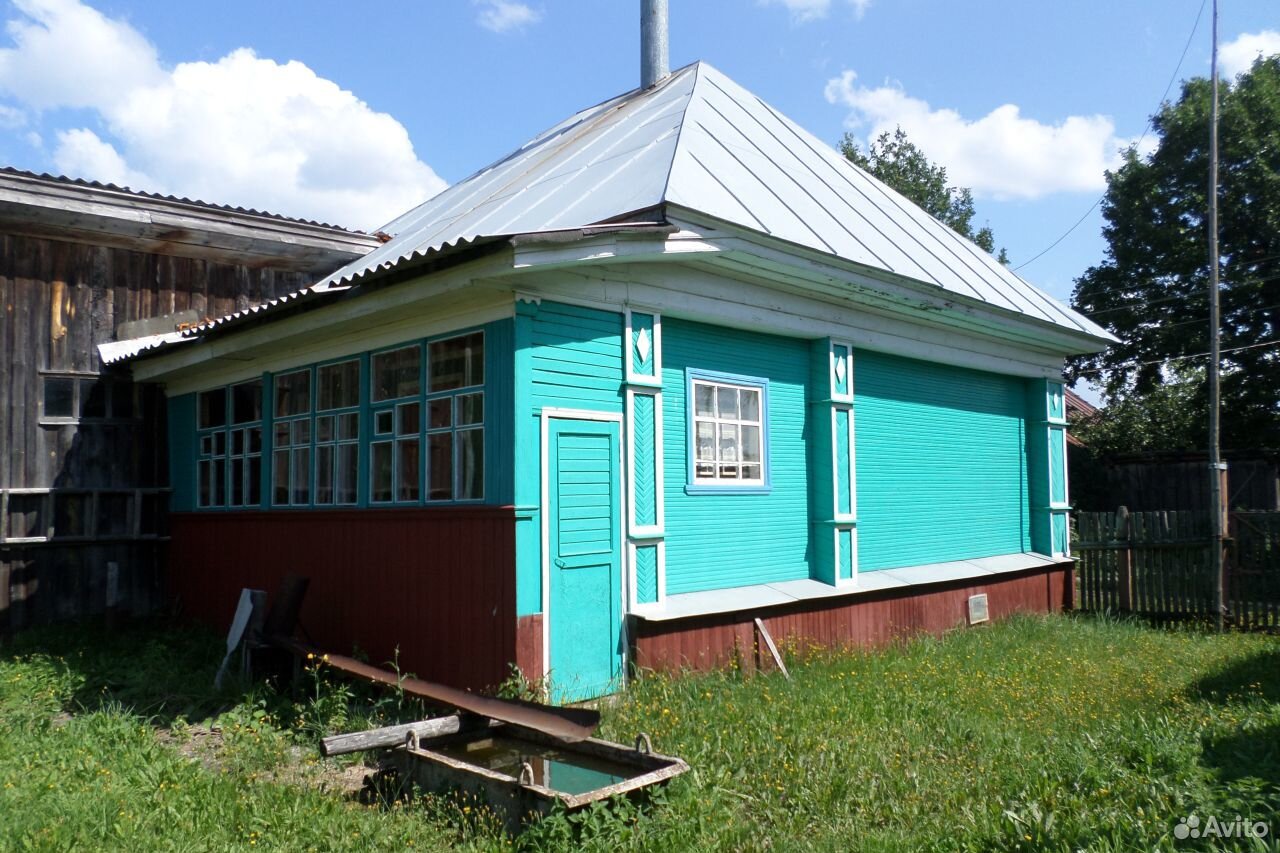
(655, 65)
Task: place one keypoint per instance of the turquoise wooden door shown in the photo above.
(584, 559)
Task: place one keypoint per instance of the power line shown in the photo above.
(1145, 131)
(1122, 365)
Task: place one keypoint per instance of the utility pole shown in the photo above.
(1216, 468)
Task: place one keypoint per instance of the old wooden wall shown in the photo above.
(84, 490)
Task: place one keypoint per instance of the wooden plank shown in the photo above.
(391, 736)
(773, 650)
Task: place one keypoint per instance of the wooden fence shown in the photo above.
(1159, 564)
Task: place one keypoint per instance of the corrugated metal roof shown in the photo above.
(172, 199)
(702, 142)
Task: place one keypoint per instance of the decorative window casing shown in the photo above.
(728, 431)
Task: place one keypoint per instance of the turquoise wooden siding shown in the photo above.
(941, 471)
(843, 502)
(566, 357)
(645, 450)
(182, 452)
(725, 540)
(1059, 533)
(646, 574)
(576, 358)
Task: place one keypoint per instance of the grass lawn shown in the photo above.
(1059, 733)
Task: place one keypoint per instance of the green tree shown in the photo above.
(1151, 288)
(896, 160)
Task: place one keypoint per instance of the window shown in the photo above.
(394, 454)
(229, 464)
(337, 432)
(291, 439)
(727, 435)
(455, 412)
(73, 398)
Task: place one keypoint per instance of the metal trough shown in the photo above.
(523, 774)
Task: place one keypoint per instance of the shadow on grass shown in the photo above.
(1256, 676)
(1252, 753)
(151, 668)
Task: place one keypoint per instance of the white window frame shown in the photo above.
(717, 484)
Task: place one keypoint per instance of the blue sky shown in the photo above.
(318, 109)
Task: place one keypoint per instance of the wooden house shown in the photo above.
(671, 366)
(83, 469)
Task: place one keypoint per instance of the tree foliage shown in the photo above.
(896, 160)
(1151, 290)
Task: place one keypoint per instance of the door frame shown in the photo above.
(549, 413)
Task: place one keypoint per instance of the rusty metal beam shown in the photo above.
(569, 724)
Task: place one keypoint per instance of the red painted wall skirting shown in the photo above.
(705, 642)
(437, 583)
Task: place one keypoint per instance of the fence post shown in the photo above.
(1124, 560)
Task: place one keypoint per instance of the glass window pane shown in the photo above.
(204, 485)
(380, 465)
(246, 402)
(93, 398)
(407, 470)
(348, 464)
(470, 409)
(299, 476)
(728, 472)
(440, 413)
(728, 450)
(237, 442)
(282, 434)
(253, 489)
(470, 464)
(349, 426)
(750, 444)
(751, 472)
(704, 470)
(338, 385)
(324, 428)
(255, 439)
(704, 400)
(457, 362)
(219, 486)
(206, 445)
(280, 479)
(440, 466)
(408, 416)
(219, 444)
(293, 393)
(212, 407)
(324, 474)
(727, 402)
(750, 404)
(395, 373)
(706, 440)
(237, 482)
(301, 431)
(383, 421)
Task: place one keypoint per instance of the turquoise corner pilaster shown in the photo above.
(831, 462)
(526, 465)
(1047, 467)
(182, 452)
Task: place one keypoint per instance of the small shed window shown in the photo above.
(727, 442)
(78, 398)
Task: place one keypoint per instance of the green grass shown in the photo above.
(1036, 734)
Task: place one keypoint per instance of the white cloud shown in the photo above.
(12, 118)
(1237, 56)
(83, 153)
(1001, 155)
(243, 130)
(803, 11)
(502, 16)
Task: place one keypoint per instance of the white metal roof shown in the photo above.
(702, 142)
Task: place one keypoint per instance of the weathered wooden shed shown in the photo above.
(669, 367)
(83, 468)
